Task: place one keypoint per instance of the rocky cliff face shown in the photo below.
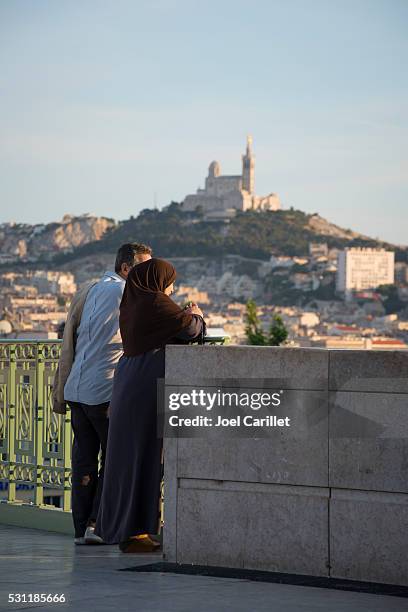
(23, 242)
(321, 226)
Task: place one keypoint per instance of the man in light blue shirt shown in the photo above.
(88, 388)
(98, 346)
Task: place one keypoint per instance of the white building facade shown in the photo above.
(360, 268)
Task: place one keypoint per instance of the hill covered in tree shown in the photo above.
(174, 233)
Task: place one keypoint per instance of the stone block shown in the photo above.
(170, 498)
(368, 446)
(266, 527)
(281, 460)
(380, 371)
(305, 368)
(369, 536)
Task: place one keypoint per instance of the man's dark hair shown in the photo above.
(127, 254)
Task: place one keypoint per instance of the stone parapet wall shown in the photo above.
(333, 502)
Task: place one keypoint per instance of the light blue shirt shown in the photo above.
(99, 344)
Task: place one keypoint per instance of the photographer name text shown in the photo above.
(237, 421)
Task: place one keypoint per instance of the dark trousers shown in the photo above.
(90, 426)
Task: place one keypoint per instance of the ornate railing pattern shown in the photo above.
(35, 443)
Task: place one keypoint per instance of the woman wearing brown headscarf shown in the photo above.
(149, 319)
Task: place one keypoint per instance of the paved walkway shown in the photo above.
(33, 561)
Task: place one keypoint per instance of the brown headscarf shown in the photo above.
(149, 318)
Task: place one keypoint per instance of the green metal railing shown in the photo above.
(35, 443)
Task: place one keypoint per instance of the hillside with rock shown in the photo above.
(21, 242)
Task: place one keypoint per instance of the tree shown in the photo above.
(391, 300)
(253, 329)
(386, 290)
(277, 331)
(255, 335)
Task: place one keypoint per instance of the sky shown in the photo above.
(113, 106)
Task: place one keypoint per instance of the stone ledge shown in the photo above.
(188, 363)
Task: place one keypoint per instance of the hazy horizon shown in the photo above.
(112, 107)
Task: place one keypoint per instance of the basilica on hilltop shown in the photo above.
(223, 195)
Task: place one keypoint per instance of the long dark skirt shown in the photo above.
(131, 491)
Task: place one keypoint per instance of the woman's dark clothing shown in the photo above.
(149, 318)
(131, 492)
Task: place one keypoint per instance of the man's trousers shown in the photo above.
(90, 426)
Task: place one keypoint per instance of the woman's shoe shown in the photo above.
(139, 544)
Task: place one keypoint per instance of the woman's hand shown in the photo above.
(194, 309)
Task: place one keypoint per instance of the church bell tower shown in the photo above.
(248, 168)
